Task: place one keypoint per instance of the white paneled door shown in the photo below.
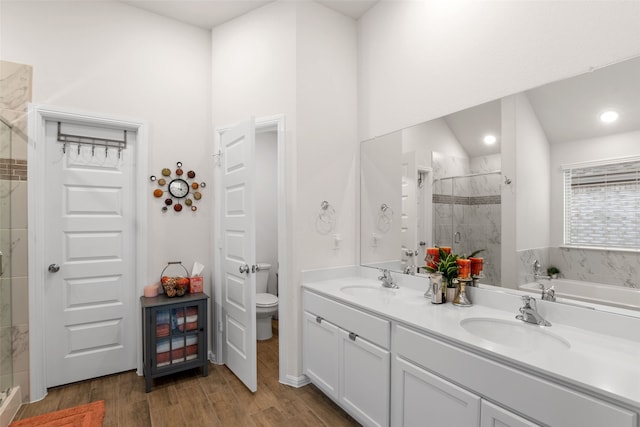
(238, 253)
(90, 253)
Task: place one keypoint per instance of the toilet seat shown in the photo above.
(266, 300)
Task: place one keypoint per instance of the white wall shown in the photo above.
(526, 201)
(420, 60)
(327, 148)
(298, 59)
(110, 58)
(113, 59)
(531, 179)
(610, 147)
(432, 136)
(253, 68)
(381, 182)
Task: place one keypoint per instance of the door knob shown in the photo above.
(54, 268)
(244, 268)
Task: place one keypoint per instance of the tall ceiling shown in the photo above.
(568, 110)
(211, 13)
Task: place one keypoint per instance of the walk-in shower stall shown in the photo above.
(466, 217)
(9, 137)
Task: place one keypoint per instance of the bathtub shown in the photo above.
(615, 296)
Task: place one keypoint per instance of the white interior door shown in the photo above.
(90, 245)
(238, 253)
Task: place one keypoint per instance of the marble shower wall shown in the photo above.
(15, 94)
(610, 267)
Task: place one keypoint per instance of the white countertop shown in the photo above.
(598, 360)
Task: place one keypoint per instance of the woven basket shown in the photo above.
(173, 282)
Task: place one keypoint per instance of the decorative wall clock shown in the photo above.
(180, 188)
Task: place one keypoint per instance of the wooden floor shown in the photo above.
(188, 399)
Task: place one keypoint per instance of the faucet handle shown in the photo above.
(528, 300)
(537, 268)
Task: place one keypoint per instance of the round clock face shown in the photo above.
(178, 188)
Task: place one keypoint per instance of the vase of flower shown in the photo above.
(447, 266)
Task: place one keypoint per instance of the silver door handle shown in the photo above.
(54, 268)
(457, 237)
(244, 268)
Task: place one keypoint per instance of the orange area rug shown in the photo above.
(89, 415)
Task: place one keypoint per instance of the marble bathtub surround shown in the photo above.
(610, 267)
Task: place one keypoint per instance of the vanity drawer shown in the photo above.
(367, 326)
(544, 401)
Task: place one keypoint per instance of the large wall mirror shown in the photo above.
(469, 180)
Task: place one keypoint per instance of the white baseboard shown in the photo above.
(296, 382)
(213, 359)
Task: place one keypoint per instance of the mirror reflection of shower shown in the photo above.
(466, 212)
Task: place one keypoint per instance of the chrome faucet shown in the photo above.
(387, 280)
(548, 294)
(530, 314)
(537, 271)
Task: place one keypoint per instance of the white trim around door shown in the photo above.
(37, 117)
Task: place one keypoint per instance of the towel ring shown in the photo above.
(385, 218)
(326, 218)
(386, 213)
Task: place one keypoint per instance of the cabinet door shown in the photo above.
(420, 398)
(321, 353)
(495, 416)
(365, 380)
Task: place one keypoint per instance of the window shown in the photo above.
(602, 204)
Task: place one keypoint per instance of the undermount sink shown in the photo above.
(514, 334)
(358, 291)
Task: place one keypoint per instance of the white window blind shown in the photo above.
(602, 205)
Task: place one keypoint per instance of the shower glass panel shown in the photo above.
(6, 347)
(466, 217)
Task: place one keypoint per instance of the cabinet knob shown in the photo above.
(352, 336)
(318, 319)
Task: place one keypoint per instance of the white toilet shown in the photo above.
(266, 303)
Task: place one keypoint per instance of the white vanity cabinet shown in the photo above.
(419, 395)
(346, 355)
(321, 353)
(421, 398)
(494, 416)
(467, 383)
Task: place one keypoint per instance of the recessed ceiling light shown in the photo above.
(609, 116)
(490, 139)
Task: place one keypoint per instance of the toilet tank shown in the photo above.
(262, 277)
